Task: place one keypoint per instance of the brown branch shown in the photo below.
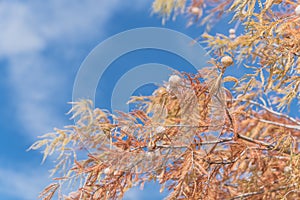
(297, 127)
(273, 112)
(262, 143)
(225, 162)
(187, 146)
(251, 140)
(241, 196)
(200, 143)
(243, 137)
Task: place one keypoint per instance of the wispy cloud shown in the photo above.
(37, 39)
(37, 87)
(24, 185)
(30, 26)
(18, 34)
(30, 30)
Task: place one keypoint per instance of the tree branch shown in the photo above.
(241, 196)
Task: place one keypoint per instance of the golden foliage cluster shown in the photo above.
(198, 139)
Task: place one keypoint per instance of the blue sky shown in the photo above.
(42, 45)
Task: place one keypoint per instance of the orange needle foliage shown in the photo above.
(200, 140)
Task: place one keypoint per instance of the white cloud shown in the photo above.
(37, 87)
(25, 184)
(30, 28)
(28, 31)
(17, 36)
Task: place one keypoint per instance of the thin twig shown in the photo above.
(297, 127)
(241, 196)
(272, 111)
(248, 139)
(199, 143)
